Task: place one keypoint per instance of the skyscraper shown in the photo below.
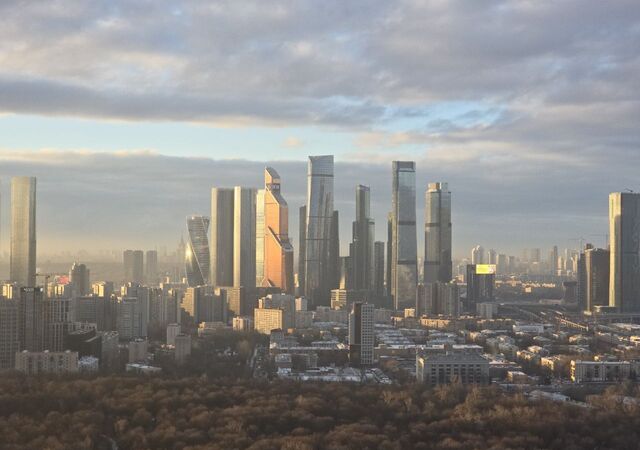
(318, 221)
(361, 326)
(597, 262)
(79, 280)
(277, 250)
(404, 259)
(133, 261)
(477, 255)
(23, 231)
(244, 239)
(378, 270)
(221, 244)
(624, 232)
(197, 252)
(437, 234)
(302, 242)
(362, 245)
(151, 266)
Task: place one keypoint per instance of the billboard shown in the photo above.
(485, 269)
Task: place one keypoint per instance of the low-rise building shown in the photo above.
(34, 363)
(600, 371)
(466, 368)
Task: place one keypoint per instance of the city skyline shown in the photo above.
(519, 127)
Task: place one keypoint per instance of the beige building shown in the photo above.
(242, 324)
(34, 363)
(266, 320)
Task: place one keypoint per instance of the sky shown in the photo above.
(128, 112)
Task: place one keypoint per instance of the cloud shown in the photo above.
(293, 142)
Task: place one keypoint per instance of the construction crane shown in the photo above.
(46, 276)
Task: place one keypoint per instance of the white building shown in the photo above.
(361, 337)
(587, 371)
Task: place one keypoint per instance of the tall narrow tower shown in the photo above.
(197, 254)
(277, 251)
(221, 242)
(362, 245)
(404, 259)
(23, 231)
(318, 220)
(437, 234)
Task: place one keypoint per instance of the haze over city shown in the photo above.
(310, 225)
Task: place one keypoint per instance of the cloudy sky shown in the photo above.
(129, 111)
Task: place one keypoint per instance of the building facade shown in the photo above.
(437, 234)
(624, 244)
(318, 226)
(23, 231)
(404, 259)
(197, 253)
(221, 243)
(361, 335)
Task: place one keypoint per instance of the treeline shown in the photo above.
(197, 413)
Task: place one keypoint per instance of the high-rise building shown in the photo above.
(23, 231)
(439, 299)
(378, 270)
(404, 258)
(260, 235)
(437, 234)
(30, 316)
(492, 257)
(9, 333)
(624, 235)
(480, 285)
(276, 250)
(318, 226)
(197, 252)
(244, 241)
(151, 267)
(597, 262)
(362, 248)
(302, 242)
(133, 261)
(553, 260)
(79, 278)
(361, 336)
(477, 255)
(221, 244)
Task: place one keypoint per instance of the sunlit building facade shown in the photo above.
(23, 231)
(276, 251)
(624, 235)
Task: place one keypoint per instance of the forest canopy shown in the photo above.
(197, 413)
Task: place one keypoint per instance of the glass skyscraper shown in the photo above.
(404, 259)
(23, 231)
(318, 221)
(221, 242)
(624, 232)
(363, 238)
(197, 255)
(437, 234)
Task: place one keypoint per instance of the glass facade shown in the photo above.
(437, 234)
(404, 260)
(197, 255)
(23, 231)
(624, 231)
(319, 217)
